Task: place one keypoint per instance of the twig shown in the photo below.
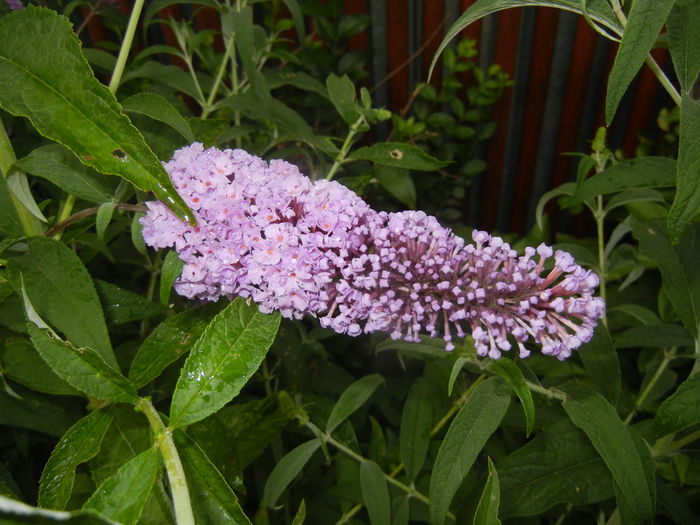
(139, 208)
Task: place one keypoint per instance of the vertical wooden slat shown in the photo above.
(357, 7)
(378, 36)
(508, 23)
(397, 52)
(551, 118)
(525, 108)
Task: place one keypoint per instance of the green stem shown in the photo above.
(31, 226)
(668, 357)
(677, 445)
(173, 465)
(345, 148)
(219, 76)
(357, 457)
(696, 365)
(64, 213)
(151, 290)
(126, 46)
(548, 393)
(599, 216)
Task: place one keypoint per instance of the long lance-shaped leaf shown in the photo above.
(478, 418)
(687, 202)
(123, 496)
(597, 10)
(227, 354)
(81, 443)
(46, 78)
(592, 413)
(82, 368)
(646, 18)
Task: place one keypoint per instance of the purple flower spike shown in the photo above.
(267, 232)
(15, 4)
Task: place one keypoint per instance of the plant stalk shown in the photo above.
(668, 357)
(357, 457)
(230, 47)
(126, 46)
(345, 148)
(173, 465)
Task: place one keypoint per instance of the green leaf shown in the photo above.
(155, 6)
(398, 183)
(169, 341)
(687, 201)
(598, 10)
(104, 217)
(592, 413)
(213, 501)
(123, 496)
(567, 188)
(402, 510)
(128, 436)
(19, 186)
(558, 466)
(682, 26)
(300, 516)
(47, 79)
(58, 165)
(252, 426)
(137, 234)
(298, 18)
(654, 244)
(169, 272)
(289, 121)
(509, 371)
(60, 288)
(39, 412)
(487, 510)
(681, 409)
(640, 173)
(341, 91)
(353, 398)
(227, 354)
(276, 78)
(82, 368)
(398, 155)
(157, 107)
(9, 222)
(602, 364)
(644, 23)
(639, 313)
(478, 418)
(375, 493)
(655, 336)
(416, 422)
(23, 364)
(13, 513)
(287, 469)
(454, 373)
(81, 443)
(123, 306)
(241, 22)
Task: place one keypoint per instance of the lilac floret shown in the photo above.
(267, 232)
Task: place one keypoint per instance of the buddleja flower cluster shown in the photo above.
(303, 247)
